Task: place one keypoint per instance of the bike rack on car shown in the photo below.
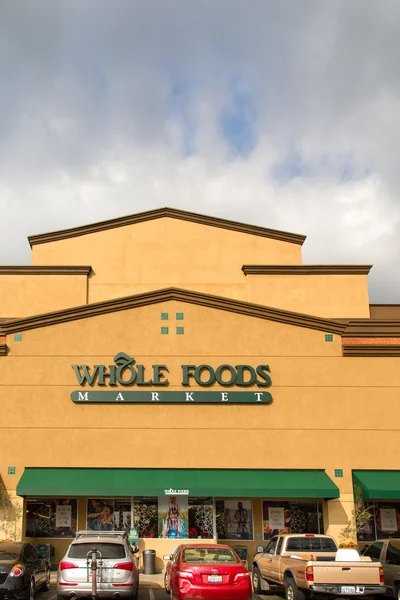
(94, 563)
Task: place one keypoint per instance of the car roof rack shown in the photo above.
(84, 533)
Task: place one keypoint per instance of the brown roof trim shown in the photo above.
(368, 328)
(158, 296)
(390, 305)
(46, 270)
(172, 213)
(306, 269)
(374, 341)
(371, 350)
(3, 350)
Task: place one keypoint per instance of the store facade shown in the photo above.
(189, 376)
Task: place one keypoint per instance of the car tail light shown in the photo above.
(125, 566)
(241, 577)
(17, 571)
(67, 583)
(309, 535)
(184, 574)
(65, 564)
(381, 575)
(309, 574)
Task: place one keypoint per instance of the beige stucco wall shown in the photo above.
(166, 252)
(26, 295)
(329, 296)
(328, 411)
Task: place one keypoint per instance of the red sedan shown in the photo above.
(206, 572)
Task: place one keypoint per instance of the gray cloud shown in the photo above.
(111, 108)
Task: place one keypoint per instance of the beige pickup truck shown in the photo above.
(308, 564)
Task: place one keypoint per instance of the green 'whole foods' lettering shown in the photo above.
(241, 380)
(125, 372)
(261, 372)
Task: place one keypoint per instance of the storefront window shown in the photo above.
(201, 518)
(51, 517)
(145, 516)
(108, 514)
(366, 531)
(173, 517)
(291, 517)
(234, 519)
(384, 522)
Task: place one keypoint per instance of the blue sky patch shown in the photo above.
(238, 121)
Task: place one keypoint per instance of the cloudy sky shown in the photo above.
(280, 113)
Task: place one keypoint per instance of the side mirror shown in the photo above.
(167, 557)
(260, 549)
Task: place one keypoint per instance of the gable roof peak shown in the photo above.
(172, 213)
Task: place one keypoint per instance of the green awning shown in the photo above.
(378, 485)
(250, 483)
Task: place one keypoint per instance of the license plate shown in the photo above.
(348, 589)
(215, 579)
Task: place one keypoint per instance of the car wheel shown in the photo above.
(46, 585)
(31, 595)
(292, 592)
(256, 580)
(166, 583)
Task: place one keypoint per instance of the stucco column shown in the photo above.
(337, 514)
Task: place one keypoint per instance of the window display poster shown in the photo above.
(201, 524)
(276, 517)
(100, 514)
(173, 517)
(281, 518)
(122, 514)
(63, 515)
(238, 520)
(145, 517)
(51, 517)
(388, 520)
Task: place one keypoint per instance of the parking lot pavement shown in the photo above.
(144, 594)
(161, 594)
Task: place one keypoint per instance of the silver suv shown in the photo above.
(116, 573)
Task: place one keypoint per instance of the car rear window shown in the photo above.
(209, 555)
(106, 550)
(393, 553)
(8, 555)
(374, 551)
(305, 544)
(9, 551)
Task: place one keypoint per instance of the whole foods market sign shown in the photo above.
(132, 379)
